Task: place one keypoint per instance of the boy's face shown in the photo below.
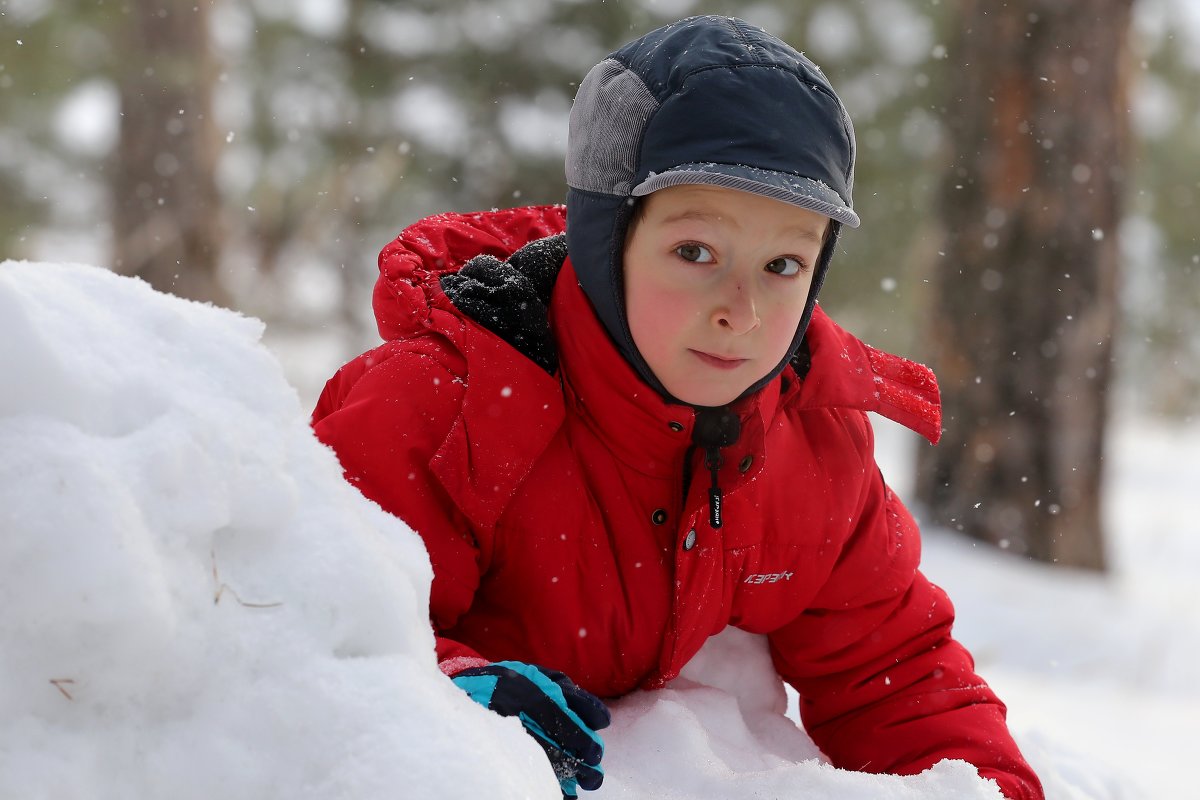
(715, 284)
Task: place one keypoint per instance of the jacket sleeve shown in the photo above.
(883, 686)
(385, 415)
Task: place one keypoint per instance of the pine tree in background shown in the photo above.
(1025, 307)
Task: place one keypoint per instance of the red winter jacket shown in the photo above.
(552, 507)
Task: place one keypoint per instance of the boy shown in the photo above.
(616, 442)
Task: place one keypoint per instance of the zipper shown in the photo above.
(715, 428)
(712, 461)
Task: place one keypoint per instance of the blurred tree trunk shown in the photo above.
(1025, 290)
(166, 216)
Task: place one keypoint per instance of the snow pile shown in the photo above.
(719, 732)
(196, 605)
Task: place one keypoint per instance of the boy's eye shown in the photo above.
(784, 266)
(694, 252)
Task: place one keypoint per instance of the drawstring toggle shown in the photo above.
(715, 428)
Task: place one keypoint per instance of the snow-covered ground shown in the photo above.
(196, 605)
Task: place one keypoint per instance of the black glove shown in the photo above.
(560, 716)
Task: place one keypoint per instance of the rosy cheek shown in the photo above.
(656, 312)
(783, 328)
(641, 300)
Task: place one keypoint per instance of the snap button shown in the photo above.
(675, 426)
(659, 516)
(689, 541)
(744, 464)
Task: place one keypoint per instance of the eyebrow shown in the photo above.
(800, 230)
(805, 232)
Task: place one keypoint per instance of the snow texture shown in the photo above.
(197, 605)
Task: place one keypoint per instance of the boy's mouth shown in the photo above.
(720, 362)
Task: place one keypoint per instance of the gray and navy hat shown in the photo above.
(706, 100)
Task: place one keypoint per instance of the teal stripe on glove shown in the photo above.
(560, 716)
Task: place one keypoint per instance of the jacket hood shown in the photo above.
(423, 288)
(408, 292)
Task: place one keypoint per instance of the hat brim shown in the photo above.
(798, 191)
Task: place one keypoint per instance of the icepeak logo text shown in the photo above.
(768, 577)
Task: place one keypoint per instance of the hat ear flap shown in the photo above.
(832, 236)
(828, 247)
(597, 225)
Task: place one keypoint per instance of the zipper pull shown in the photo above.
(715, 428)
(712, 460)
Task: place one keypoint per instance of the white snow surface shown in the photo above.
(197, 605)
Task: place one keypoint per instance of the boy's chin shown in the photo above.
(707, 396)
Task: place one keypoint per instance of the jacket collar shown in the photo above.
(844, 373)
(847, 373)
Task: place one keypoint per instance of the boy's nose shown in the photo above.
(738, 314)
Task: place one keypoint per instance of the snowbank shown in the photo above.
(196, 605)
(719, 732)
